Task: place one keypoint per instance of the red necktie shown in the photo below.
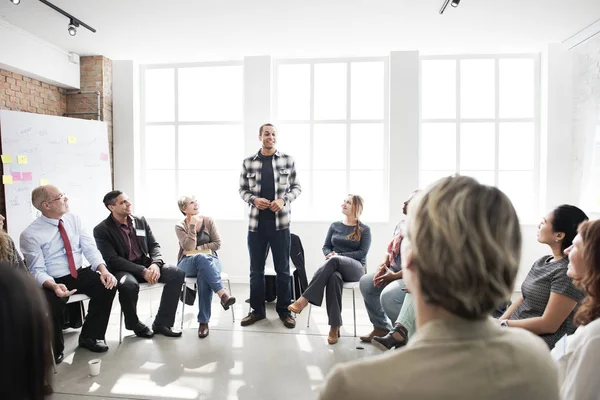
(68, 248)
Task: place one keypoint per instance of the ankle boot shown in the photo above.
(374, 332)
(388, 341)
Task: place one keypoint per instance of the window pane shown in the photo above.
(293, 92)
(426, 178)
(519, 187)
(366, 146)
(483, 177)
(438, 146)
(301, 206)
(516, 146)
(330, 91)
(517, 87)
(196, 142)
(477, 146)
(211, 93)
(217, 192)
(160, 147)
(477, 94)
(438, 89)
(367, 90)
(159, 95)
(163, 203)
(330, 191)
(294, 139)
(329, 147)
(370, 186)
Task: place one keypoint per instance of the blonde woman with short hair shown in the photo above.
(199, 241)
(460, 257)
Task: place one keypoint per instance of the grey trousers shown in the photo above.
(330, 277)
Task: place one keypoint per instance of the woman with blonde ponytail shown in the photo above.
(345, 249)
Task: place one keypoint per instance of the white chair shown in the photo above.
(76, 298)
(143, 288)
(347, 285)
(191, 281)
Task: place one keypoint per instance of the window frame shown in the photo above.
(348, 122)
(496, 120)
(176, 123)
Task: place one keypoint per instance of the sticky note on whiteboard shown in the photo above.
(44, 182)
(27, 176)
(6, 159)
(103, 156)
(7, 179)
(22, 159)
(72, 139)
(16, 176)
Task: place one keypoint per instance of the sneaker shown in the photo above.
(288, 321)
(251, 318)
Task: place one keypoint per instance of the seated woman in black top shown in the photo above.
(345, 250)
(549, 297)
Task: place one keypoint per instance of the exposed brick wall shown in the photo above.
(96, 76)
(20, 93)
(586, 112)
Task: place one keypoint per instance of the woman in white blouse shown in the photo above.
(577, 355)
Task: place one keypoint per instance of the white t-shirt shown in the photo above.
(577, 358)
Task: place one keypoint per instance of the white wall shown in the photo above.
(404, 149)
(23, 53)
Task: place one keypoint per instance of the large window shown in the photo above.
(192, 138)
(480, 117)
(332, 118)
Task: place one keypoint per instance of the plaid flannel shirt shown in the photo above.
(287, 187)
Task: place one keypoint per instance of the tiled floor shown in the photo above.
(262, 361)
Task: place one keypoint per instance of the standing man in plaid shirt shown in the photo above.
(268, 184)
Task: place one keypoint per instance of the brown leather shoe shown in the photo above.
(288, 321)
(203, 330)
(374, 332)
(227, 301)
(251, 318)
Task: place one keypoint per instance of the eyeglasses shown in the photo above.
(59, 197)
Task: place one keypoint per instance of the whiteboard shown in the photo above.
(69, 153)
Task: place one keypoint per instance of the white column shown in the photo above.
(556, 177)
(405, 115)
(257, 98)
(126, 132)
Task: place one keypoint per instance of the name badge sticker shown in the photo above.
(140, 232)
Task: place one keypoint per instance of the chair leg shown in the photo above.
(53, 359)
(354, 309)
(232, 312)
(184, 288)
(81, 311)
(308, 319)
(121, 328)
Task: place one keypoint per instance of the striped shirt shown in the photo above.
(287, 187)
(547, 277)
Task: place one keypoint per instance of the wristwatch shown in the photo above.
(504, 323)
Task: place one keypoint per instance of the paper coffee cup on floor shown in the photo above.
(95, 366)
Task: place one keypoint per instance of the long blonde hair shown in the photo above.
(357, 208)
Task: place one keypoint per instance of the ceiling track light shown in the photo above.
(74, 23)
(453, 3)
(16, 2)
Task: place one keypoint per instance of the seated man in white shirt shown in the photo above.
(53, 246)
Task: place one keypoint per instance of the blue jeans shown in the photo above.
(382, 304)
(258, 247)
(207, 270)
